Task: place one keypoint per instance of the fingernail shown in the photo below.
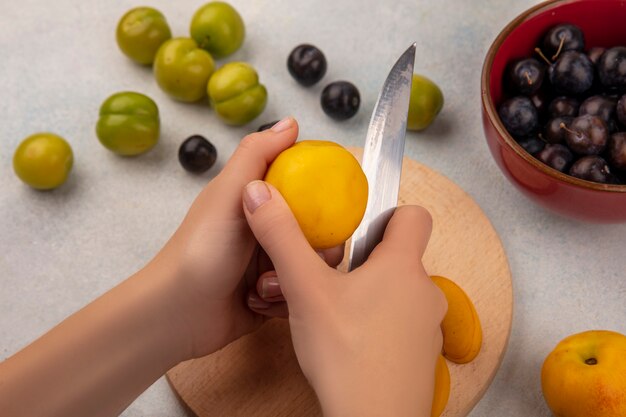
(254, 301)
(283, 125)
(255, 195)
(270, 288)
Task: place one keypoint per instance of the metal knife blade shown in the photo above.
(382, 157)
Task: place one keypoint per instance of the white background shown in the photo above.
(61, 249)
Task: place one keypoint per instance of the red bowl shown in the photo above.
(602, 22)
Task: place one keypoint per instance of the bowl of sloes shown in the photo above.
(554, 106)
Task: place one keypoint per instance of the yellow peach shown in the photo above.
(325, 188)
(585, 375)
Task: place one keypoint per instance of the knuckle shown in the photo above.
(248, 141)
(276, 227)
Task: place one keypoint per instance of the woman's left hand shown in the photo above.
(215, 258)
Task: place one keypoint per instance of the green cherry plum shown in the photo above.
(182, 70)
(218, 28)
(425, 103)
(43, 161)
(140, 33)
(128, 124)
(236, 94)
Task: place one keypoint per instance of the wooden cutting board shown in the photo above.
(258, 375)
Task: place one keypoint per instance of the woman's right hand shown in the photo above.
(366, 340)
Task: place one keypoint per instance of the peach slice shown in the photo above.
(442, 387)
(462, 333)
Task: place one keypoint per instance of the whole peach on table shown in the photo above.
(585, 375)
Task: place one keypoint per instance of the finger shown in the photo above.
(265, 308)
(332, 256)
(268, 287)
(407, 232)
(268, 284)
(249, 162)
(256, 152)
(278, 232)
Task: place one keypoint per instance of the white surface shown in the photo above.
(61, 249)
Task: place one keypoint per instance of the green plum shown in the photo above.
(183, 70)
(218, 28)
(140, 33)
(235, 93)
(426, 103)
(43, 161)
(128, 124)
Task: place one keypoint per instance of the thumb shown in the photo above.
(407, 234)
(278, 232)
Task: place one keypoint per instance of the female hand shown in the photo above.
(367, 340)
(187, 302)
(213, 254)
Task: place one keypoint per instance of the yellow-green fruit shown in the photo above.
(325, 188)
(183, 70)
(425, 104)
(140, 33)
(43, 161)
(236, 94)
(217, 28)
(128, 124)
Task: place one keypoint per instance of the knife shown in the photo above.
(382, 157)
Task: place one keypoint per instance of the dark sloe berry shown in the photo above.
(196, 154)
(601, 106)
(562, 38)
(555, 130)
(591, 168)
(612, 68)
(616, 151)
(563, 106)
(572, 73)
(587, 135)
(532, 144)
(519, 116)
(526, 75)
(340, 100)
(556, 156)
(306, 64)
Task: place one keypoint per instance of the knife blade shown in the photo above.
(382, 157)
